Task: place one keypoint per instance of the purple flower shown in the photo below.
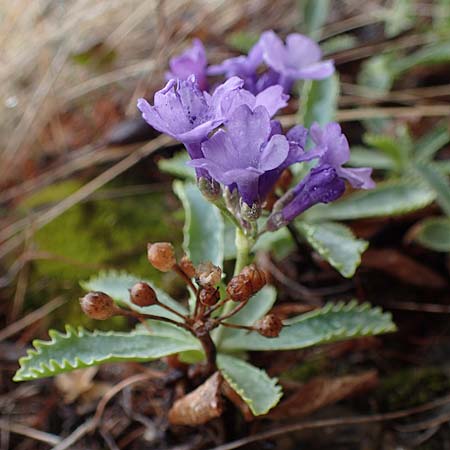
(250, 155)
(191, 62)
(332, 145)
(321, 185)
(244, 67)
(299, 59)
(184, 112)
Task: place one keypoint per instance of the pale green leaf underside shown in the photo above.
(259, 305)
(204, 227)
(336, 244)
(334, 322)
(80, 348)
(253, 385)
(116, 284)
(177, 166)
(434, 233)
(392, 198)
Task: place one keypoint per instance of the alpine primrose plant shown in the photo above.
(242, 159)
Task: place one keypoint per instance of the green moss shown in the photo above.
(412, 387)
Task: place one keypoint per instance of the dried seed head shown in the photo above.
(98, 305)
(208, 274)
(269, 326)
(161, 256)
(256, 276)
(247, 283)
(209, 296)
(142, 294)
(187, 267)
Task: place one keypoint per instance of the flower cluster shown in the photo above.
(234, 144)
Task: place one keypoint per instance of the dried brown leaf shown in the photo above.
(199, 406)
(322, 391)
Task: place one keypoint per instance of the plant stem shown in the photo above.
(210, 350)
(242, 256)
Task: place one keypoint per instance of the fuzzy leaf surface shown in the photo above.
(333, 322)
(116, 284)
(336, 244)
(253, 385)
(77, 349)
(387, 199)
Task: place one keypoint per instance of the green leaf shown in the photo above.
(319, 101)
(242, 41)
(177, 167)
(387, 199)
(203, 227)
(365, 157)
(336, 244)
(333, 322)
(315, 13)
(433, 233)
(116, 284)
(339, 43)
(438, 182)
(258, 306)
(377, 75)
(398, 147)
(427, 146)
(253, 385)
(435, 53)
(398, 18)
(80, 348)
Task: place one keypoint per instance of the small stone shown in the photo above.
(98, 305)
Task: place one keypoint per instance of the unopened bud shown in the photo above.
(209, 296)
(161, 256)
(247, 283)
(142, 294)
(269, 326)
(98, 305)
(187, 266)
(210, 189)
(250, 213)
(208, 274)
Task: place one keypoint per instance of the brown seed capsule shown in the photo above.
(98, 305)
(256, 276)
(161, 256)
(209, 296)
(187, 266)
(239, 288)
(142, 294)
(208, 274)
(269, 326)
(247, 283)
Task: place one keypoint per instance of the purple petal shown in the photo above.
(359, 178)
(298, 134)
(274, 52)
(274, 153)
(302, 50)
(272, 99)
(317, 71)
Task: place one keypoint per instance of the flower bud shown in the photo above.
(250, 213)
(142, 294)
(269, 326)
(210, 189)
(161, 256)
(187, 266)
(209, 296)
(247, 283)
(98, 305)
(208, 274)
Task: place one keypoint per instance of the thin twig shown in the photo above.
(23, 430)
(354, 420)
(31, 318)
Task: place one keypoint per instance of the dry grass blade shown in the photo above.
(23, 430)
